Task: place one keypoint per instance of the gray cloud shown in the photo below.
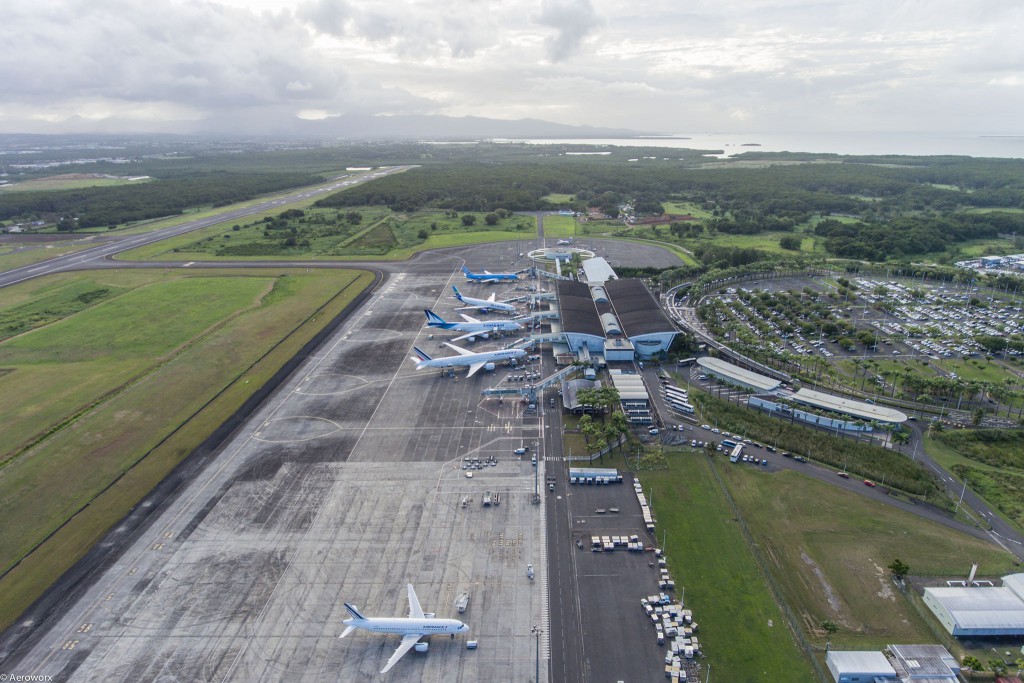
(572, 21)
(757, 65)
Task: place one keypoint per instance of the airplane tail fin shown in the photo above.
(433, 319)
(466, 271)
(420, 357)
(457, 295)
(354, 611)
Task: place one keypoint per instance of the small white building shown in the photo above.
(859, 667)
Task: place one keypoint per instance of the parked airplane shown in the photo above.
(471, 326)
(488, 276)
(474, 361)
(417, 625)
(488, 304)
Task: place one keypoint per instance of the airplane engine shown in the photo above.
(486, 335)
(422, 647)
(489, 367)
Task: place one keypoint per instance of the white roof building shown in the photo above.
(859, 666)
(980, 610)
(734, 374)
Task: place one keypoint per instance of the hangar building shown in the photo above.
(980, 610)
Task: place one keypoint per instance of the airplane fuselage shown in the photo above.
(403, 627)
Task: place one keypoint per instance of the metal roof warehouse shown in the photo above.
(859, 409)
(737, 375)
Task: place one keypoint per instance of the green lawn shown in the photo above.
(556, 198)
(684, 208)
(828, 549)
(102, 403)
(72, 182)
(742, 631)
(559, 226)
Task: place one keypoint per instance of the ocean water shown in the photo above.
(733, 144)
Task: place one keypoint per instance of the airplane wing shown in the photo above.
(469, 319)
(470, 308)
(415, 611)
(462, 351)
(467, 336)
(491, 298)
(348, 630)
(407, 644)
(474, 367)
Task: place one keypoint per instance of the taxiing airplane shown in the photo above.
(417, 625)
(567, 240)
(472, 327)
(466, 358)
(488, 304)
(488, 276)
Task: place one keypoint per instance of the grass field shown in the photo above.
(767, 241)
(828, 550)
(559, 226)
(556, 198)
(74, 181)
(320, 235)
(684, 208)
(741, 627)
(105, 401)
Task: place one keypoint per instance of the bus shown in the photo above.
(683, 408)
(736, 453)
(729, 443)
(686, 362)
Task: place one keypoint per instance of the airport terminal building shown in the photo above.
(617, 319)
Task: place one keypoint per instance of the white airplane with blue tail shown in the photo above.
(466, 358)
(488, 304)
(412, 628)
(489, 277)
(471, 326)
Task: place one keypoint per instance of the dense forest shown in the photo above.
(100, 206)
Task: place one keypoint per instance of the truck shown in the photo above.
(462, 602)
(487, 499)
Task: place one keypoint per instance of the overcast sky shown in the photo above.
(656, 65)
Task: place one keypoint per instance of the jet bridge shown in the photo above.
(531, 390)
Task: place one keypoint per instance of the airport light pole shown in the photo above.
(536, 630)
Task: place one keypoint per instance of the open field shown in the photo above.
(104, 402)
(828, 550)
(741, 627)
(766, 241)
(684, 208)
(559, 226)
(326, 234)
(556, 198)
(73, 181)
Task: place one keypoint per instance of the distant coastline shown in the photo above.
(874, 144)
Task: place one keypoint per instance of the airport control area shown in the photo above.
(360, 476)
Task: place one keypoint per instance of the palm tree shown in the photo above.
(900, 437)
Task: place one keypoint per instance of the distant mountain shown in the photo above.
(424, 127)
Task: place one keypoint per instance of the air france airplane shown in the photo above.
(488, 276)
(474, 361)
(417, 625)
(488, 304)
(471, 326)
